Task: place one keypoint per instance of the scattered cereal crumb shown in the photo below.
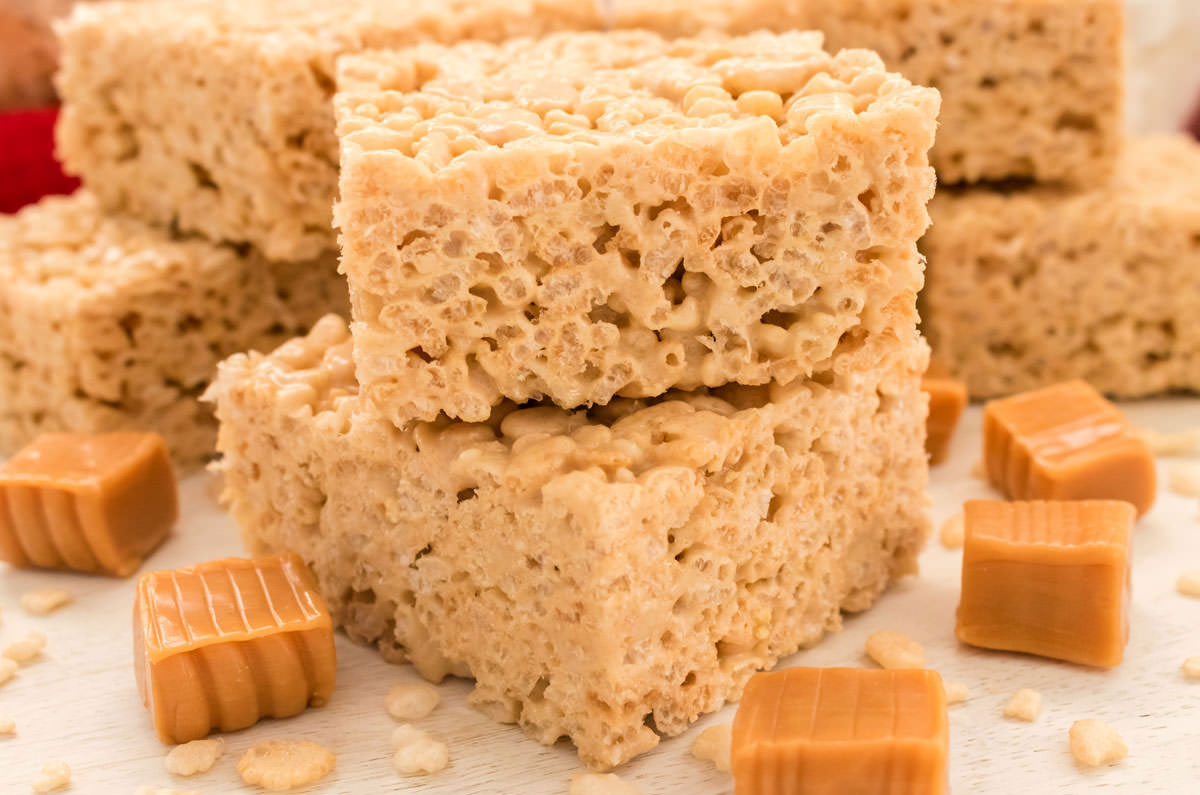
(1191, 668)
(1184, 479)
(417, 751)
(198, 756)
(952, 532)
(55, 775)
(285, 764)
(7, 725)
(1188, 583)
(411, 702)
(1024, 705)
(956, 693)
(895, 650)
(8, 669)
(45, 601)
(1179, 443)
(600, 784)
(145, 790)
(713, 745)
(1095, 743)
(26, 649)
(977, 471)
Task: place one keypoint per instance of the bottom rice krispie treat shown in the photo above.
(1033, 286)
(108, 324)
(609, 574)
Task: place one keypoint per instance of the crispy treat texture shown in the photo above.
(590, 216)
(216, 115)
(1031, 88)
(107, 324)
(1031, 287)
(591, 569)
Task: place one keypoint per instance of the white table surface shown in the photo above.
(80, 704)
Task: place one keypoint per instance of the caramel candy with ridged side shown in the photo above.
(831, 731)
(947, 399)
(95, 503)
(220, 645)
(1047, 578)
(1066, 442)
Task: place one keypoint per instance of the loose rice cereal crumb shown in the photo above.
(713, 745)
(895, 650)
(198, 756)
(952, 532)
(7, 725)
(1188, 583)
(1094, 743)
(8, 669)
(600, 784)
(45, 601)
(26, 649)
(1171, 444)
(417, 752)
(55, 775)
(1024, 705)
(1191, 668)
(956, 693)
(411, 702)
(279, 765)
(1184, 479)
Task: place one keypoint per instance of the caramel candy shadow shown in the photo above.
(831, 731)
(92, 503)
(947, 399)
(1047, 578)
(1066, 442)
(226, 643)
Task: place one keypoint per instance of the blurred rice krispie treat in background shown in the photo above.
(1164, 72)
(28, 51)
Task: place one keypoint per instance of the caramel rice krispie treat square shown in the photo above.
(1027, 288)
(607, 575)
(107, 324)
(596, 215)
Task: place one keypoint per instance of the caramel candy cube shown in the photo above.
(1066, 442)
(947, 399)
(225, 643)
(93, 503)
(831, 731)
(1047, 578)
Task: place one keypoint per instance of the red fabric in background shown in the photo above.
(28, 169)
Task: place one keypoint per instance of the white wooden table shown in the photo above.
(80, 703)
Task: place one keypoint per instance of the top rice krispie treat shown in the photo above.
(587, 216)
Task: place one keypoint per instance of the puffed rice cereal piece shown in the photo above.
(411, 701)
(1095, 743)
(714, 745)
(1188, 583)
(279, 765)
(45, 601)
(26, 649)
(956, 693)
(55, 775)
(8, 669)
(7, 726)
(952, 532)
(895, 650)
(1191, 668)
(198, 756)
(1024, 705)
(601, 784)
(1184, 480)
(1179, 443)
(417, 752)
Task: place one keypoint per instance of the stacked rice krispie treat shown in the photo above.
(630, 405)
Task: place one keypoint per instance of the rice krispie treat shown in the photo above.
(107, 324)
(215, 115)
(608, 574)
(1027, 288)
(592, 215)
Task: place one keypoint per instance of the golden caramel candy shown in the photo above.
(94, 503)
(947, 399)
(1047, 578)
(225, 643)
(831, 731)
(1066, 442)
